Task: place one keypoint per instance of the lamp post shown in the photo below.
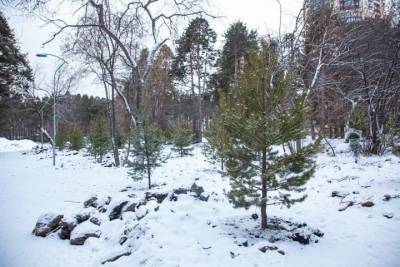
(55, 83)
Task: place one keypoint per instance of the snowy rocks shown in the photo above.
(198, 190)
(46, 224)
(131, 207)
(66, 228)
(91, 202)
(264, 249)
(302, 238)
(117, 210)
(80, 218)
(83, 231)
(95, 220)
(158, 196)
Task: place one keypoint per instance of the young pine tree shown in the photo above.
(147, 144)
(216, 134)
(75, 137)
(182, 138)
(99, 140)
(260, 116)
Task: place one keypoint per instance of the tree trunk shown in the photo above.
(113, 126)
(264, 190)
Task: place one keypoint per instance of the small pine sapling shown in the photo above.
(147, 143)
(99, 140)
(75, 137)
(182, 138)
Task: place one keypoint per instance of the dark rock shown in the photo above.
(66, 228)
(102, 209)
(158, 196)
(204, 197)
(367, 204)
(80, 240)
(91, 202)
(107, 201)
(245, 244)
(254, 216)
(266, 248)
(180, 191)
(95, 220)
(281, 252)
(117, 210)
(318, 233)
(131, 207)
(46, 224)
(196, 189)
(80, 218)
(301, 238)
(387, 197)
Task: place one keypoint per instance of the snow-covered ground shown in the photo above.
(190, 232)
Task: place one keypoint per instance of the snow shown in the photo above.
(15, 145)
(190, 232)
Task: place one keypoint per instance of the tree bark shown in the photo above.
(264, 190)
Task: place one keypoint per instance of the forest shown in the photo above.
(255, 116)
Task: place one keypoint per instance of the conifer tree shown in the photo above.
(192, 64)
(75, 137)
(182, 138)
(259, 118)
(99, 140)
(147, 144)
(15, 73)
(216, 134)
(239, 42)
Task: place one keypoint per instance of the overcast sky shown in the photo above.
(262, 15)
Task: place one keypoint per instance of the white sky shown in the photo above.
(262, 15)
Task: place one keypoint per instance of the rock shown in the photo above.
(80, 218)
(95, 220)
(91, 202)
(318, 233)
(254, 216)
(46, 224)
(281, 252)
(198, 190)
(180, 191)
(102, 209)
(301, 238)
(117, 210)
(66, 228)
(82, 232)
(158, 196)
(131, 207)
(264, 249)
(204, 197)
(387, 197)
(367, 204)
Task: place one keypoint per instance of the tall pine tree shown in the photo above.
(193, 61)
(259, 118)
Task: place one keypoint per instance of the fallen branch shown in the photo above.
(128, 253)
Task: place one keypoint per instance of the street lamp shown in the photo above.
(55, 83)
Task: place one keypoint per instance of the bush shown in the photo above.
(353, 136)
